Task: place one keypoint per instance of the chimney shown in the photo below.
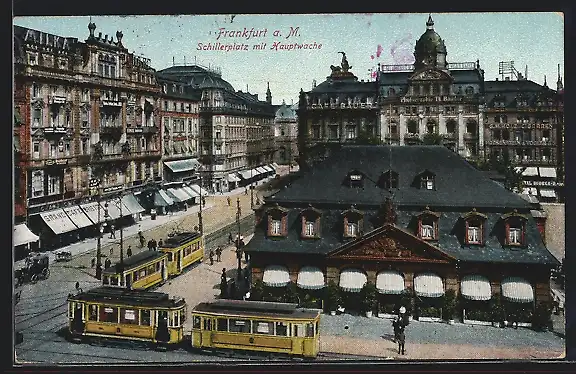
(106, 37)
(99, 35)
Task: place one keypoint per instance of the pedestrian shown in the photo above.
(245, 190)
(142, 240)
(230, 238)
(107, 263)
(185, 207)
(401, 341)
(154, 245)
(129, 251)
(218, 254)
(160, 243)
(223, 285)
(150, 245)
(93, 262)
(204, 201)
(111, 250)
(228, 200)
(211, 255)
(112, 232)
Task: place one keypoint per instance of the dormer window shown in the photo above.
(277, 221)
(428, 224)
(310, 223)
(474, 227)
(427, 182)
(389, 180)
(355, 179)
(352, 222)
(515, 229)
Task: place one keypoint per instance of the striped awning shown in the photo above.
(428, 285)
(132, 204)
(23, 235)
(93, 210)
(77, 215)
(274, 165)
(180, 194)
(268, 168)
(545, 192)
(390, 282)
(246, 174)
(200, 190)
(232, 178)
(517, 289)
(276, 276)
(170, 192)
(190, 191)
(113, 209)
(162, 199)
(547, 172)
(475, 287)
(261, 170)
(352, 280)
(58, 221)
(310, 278)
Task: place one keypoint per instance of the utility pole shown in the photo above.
(251, 189)
(121, 237)
(238, 241)
(95, 183)
(200, 225)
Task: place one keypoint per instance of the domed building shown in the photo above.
(430, 50)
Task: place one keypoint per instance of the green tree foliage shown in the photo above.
(364, 138)
(432, 139)
(503, 165)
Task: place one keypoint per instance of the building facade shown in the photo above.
(434, 101)
(286, 134)
(402, 219)
(88, 113)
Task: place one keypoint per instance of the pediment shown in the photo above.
(430, 74)
(390, 243)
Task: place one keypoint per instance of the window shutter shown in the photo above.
(420, 227)
(284, 225)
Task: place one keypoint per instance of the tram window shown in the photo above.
(239, 325)
(196, 322)
(222, 324)
(150, 269)
(135, 276)
(145, 317)
(79, 309)
(129, 316)
(93, 313)
(105, 280)
(317, 328)
(309, 330)
(207, 324)
(108, 314)
(182, 316)
(298, 330)
(169, 256)
(263, 327)
(70, 310)
(114, 281)
(157, 266)
(281, 329)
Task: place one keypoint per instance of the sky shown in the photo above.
(527, 38)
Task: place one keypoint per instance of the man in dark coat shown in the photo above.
(401, 341)
(150, 245)
(211, 255)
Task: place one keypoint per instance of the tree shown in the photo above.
(365, 138)
(503, 165)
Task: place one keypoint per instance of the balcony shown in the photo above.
(531, 161)
(449, 135)
(411, 135)
(519, 142)
(470, 136)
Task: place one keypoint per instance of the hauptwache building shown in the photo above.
(414, 221)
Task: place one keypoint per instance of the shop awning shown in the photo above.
(23, 235)
(270, 168)
(172, 195)
(390, 282)
(428, 285)
(547, 172)
(261, 170)
(183, 165)
(132, 204)
(246, 174)
(274, 165)
(310, 278)
(58, 221)
(161, 198)
(530, 171)
(77, 215)
(199, 189)
(233, 178)
(114, 209)
(517, 290)
(352, 280)
(476, 287)
(276, 276)
(91, 210)
(545, 192)
(190, 191)
(180, 194)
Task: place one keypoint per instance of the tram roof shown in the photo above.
(135, 261)
(256, 308)
(128, 297)
(180, 239)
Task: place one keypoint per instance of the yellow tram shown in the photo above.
(141, 271)
(183, 250)
(117, 313)
(256, 326)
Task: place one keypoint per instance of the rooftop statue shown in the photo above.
(344, 65)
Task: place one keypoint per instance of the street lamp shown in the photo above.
(239, 242)
(251, 188)
(200, 225)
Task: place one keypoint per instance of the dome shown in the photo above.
(430, 46)
(197, 77)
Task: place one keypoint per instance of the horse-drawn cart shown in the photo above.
(63, 256)
(36, 268)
